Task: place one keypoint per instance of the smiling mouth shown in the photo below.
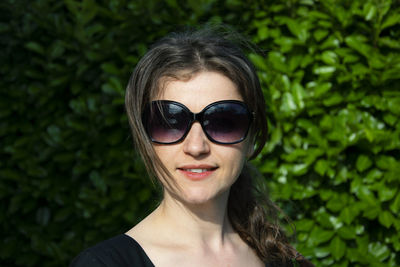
(197, 174)
(198, 170)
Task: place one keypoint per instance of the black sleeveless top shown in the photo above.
(122, 251)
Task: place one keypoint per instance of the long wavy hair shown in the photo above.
(179, 56)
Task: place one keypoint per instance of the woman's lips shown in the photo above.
(198, 172)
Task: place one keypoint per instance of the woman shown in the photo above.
(196, 110)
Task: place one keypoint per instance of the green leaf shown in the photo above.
(347, 232)
(379, 250)
(321, 166)
(262, 33)
(43, 216)
(318, 235)
(299, 95)
(390, 119)
(299, 169)
(322, 88)
(372, 212)
(385, 162)
(386, 193)
(62, 214)
(389, 42)
(336, 203)
(288, 105)
(369, 11)
(357, 42)
(325, 194)
(113, 86)
(172, 3)
(55, 133)
(35, 47)
(349, 213)
(332, 100)
(324, 70)
(304, 225)
(395, 206)
(363, 163)
(329, 43)
(98, 181)
(376, 61)
(278, 61)
(329, 57)
(394, 105)
(321, 252)
(359, 70)
(325, 220)
(337, 248)
(285, 43)
(298, 28)
(348, 55)
(366, 195)
(386, 218)
(110, 68)
(258, 61)
(373, 175)
(57, 49)
(391, 20)
(320, 34)
(275, 139)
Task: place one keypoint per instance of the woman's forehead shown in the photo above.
(203, 88)
(162, 87)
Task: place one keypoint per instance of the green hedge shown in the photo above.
(331, 74)
(330, 69)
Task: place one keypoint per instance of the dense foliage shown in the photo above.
(330, 69)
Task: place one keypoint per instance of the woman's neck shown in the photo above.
(204, 224)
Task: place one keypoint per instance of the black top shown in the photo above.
(120, 251)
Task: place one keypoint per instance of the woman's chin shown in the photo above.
(199, 197)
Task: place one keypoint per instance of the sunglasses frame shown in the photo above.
(196, 117)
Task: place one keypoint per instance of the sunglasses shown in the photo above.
(223, 122)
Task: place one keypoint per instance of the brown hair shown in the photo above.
(190, 52)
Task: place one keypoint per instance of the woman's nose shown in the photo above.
(196, 142)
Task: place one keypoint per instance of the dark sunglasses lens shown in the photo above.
(227, 122)
(167, 123)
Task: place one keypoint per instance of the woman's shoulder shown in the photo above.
(121, 251)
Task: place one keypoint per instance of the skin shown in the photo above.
(190, 227)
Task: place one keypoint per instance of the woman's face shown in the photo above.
(201, 169)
